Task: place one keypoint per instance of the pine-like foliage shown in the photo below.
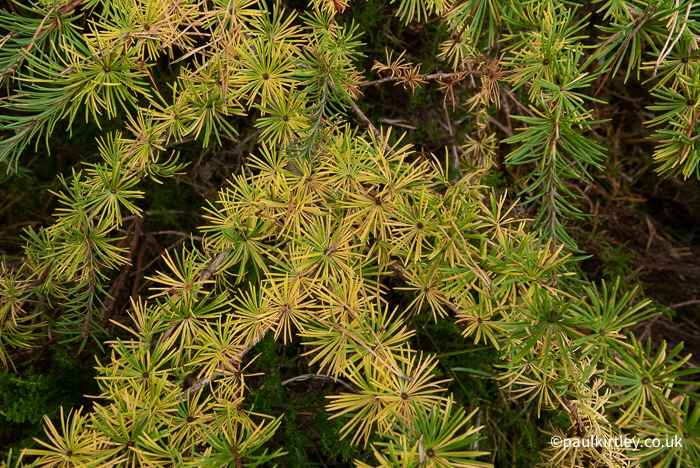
(327, 222)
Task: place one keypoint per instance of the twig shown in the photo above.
(498, 124)
(39, 32)
(691, 127)
(211, 269)
(70, 7)
(201, 383)
(178, 233)
(604, 46)
(363, 118)
(461, 32)
(427, 76)
(305, 377)
(517, 102)
(683, 304)
(118, 285)
(580, 426)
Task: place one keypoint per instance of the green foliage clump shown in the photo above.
(425, 300)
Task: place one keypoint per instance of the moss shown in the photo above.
(45, 384)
